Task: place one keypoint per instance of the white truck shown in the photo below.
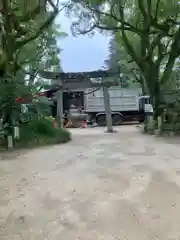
(125, 105)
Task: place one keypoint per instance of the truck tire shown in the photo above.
(141, 121)
(101, 120)
(117, 119)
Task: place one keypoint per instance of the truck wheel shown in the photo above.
(141, 121)
(117, 119)
(101, 120)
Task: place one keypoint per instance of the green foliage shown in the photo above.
(119, 60)
(27, 45)
(41, 132)
(149, 32)
(22, 22)
(40, 54)
(36, 109)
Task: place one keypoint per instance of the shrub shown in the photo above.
(40, 132)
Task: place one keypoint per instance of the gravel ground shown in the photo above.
(123, 185)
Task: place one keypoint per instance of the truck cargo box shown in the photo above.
(121, 99)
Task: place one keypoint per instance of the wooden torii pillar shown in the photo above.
(64, 79)
(59, 96)
(107, 107)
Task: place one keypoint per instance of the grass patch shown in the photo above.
(41, 132)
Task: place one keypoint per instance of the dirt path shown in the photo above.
(123, 185)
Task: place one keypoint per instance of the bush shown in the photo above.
(40, 132)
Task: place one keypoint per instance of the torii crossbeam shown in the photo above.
(78, 75)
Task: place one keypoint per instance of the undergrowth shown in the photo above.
(39, 132)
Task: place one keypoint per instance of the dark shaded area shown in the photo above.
(73, 98)
(69, 98)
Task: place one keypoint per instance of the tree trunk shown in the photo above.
(153, 85)
(143, 85)
(8, 108)
(158, 107)
(159, 110)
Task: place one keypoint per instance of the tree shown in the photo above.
(38, 55)
(118, 59)
(149, 31)
(21, 22)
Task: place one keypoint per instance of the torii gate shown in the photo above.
(83, 80)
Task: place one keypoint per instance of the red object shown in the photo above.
(47, 93)
(83, 124)
(24, 99)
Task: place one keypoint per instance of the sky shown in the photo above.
(82, 53)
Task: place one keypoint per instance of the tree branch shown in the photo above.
(40, 30)
(31, 14)
(23, 42)
(174, 53)
(157, 9)
(142, 9)
(98, 20)
(128, 46)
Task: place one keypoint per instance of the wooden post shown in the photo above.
(16, 132)
(107, 109)
(10, 142)
(60, 107)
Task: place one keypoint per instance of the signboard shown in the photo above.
(148, 108)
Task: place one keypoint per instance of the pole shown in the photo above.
(107, 109)
(60, 107)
